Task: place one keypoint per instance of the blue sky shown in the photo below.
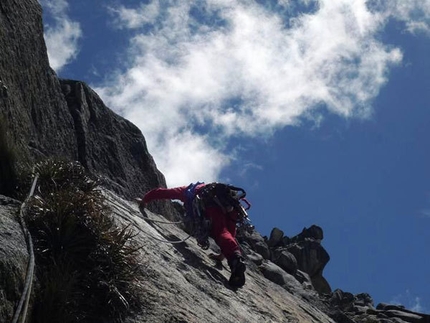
(320, 109)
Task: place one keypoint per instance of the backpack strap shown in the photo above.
(190, 194)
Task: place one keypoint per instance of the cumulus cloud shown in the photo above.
(63, 36)
(202, 75)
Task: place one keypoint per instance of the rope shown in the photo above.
(118, 206)
(25, 297)
(22, 308)
(145, 217)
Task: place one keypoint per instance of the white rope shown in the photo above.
(22, 308)
(145, 217)
(118, 206)
(25, 297)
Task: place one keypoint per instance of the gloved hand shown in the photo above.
(140, 202)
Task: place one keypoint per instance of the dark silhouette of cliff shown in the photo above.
(49, 117)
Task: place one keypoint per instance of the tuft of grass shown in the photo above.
(86, 264)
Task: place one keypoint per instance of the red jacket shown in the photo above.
(223, 228)
(176, 193)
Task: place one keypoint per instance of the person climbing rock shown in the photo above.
(220, 204)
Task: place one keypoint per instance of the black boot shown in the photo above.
(238, 267)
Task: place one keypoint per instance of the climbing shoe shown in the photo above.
(238, 267)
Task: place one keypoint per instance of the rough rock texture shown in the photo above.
(51, 117)
(303, 253)
(13, 258)
(346, 308)
(32, 103)
(182, 284)
(37, 105)
(109, 145)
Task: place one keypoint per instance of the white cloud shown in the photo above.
(192, 86)
(135, 18)
(425, 212)
(414, 13)
(190, 158)
(62, 37)
(409, 301)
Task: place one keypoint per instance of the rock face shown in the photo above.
(300, 254)
(13, 258)
(109, 145)
(36, 105)
(179, 282)
(346, 308)
(32, 101)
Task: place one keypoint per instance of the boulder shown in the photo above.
(275, 237)
(341, 299)
(321, 284)
(311, 256)
(256, 241)
(405, 316)
(399, 312)
(363, 299)
(314, 232)
(304, 279)
(277, 275)
(285, 260)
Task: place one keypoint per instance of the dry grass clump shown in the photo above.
(85, 263)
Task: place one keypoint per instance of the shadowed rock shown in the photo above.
(50, 117)
(13, 258)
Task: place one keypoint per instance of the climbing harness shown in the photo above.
(214, 194)
(226, 197)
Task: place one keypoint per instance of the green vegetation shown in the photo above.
(85, 263)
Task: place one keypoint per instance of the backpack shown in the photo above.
(225, 196)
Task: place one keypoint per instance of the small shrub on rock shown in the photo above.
(85, 263)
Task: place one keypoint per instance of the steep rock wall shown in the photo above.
(13, 258)
(51, 117)
(31, 100)
(47, 116)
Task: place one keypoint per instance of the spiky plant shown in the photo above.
(76, 236)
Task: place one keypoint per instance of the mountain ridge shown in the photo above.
(52, 117)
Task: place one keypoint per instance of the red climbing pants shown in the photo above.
(223, 225)
(223, 231)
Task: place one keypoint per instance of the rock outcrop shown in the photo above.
(46, 117)
(13, 258)
(302, 256)
(108, 145)
(182, 284)
(36, 105)
(348, 308)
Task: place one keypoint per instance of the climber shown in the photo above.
(222, 219)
